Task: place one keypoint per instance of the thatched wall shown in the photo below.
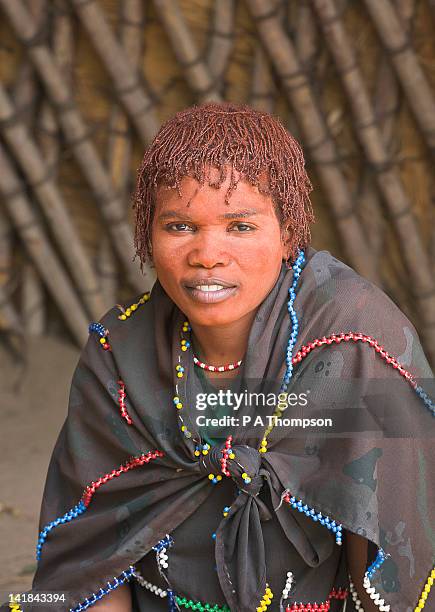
(377, 165)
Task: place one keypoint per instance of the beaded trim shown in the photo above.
(127, 312)
(360, 337)
(356, 600)
(323, 519)
(111, 586)
(341, 594)
(101, 331)
(121, 401)
(425, 592)
(89, 492)
(374, 595)
(181, 601)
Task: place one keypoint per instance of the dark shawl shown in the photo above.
(377, 484)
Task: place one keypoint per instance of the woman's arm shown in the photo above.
(118, 600)
(356, 549)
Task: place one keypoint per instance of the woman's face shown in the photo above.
(237, 246)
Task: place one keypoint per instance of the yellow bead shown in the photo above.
(102, 340)
(210, 476)
(128, 312)
(196, 453)
(421, 603)
(179, 405)
(232, 456)
(218, 477)
(184, 348)
(183, 428)
(430, 581)
(180, 374)
(263, 449)
(225, 513)
(427, 588)
(133, 306)
(263, 442)
(205, 452)
(122, 317)
(432, 574)
(245, 475)
(424, 595)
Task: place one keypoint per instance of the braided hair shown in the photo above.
(226, 136)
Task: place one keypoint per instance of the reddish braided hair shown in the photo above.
(224, 136)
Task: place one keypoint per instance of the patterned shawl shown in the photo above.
(110, 497)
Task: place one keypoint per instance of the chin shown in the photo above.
(213, 317)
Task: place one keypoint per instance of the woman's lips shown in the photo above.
(210, 297)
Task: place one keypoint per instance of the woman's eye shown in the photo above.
(244, 227)
(171, 226)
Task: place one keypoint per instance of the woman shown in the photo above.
(169, 510)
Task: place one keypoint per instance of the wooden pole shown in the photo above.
(39, 249)
(263, 91)
(9, 318)
(388, 180)
(221, 39)
(52, 203)
(119, 141)
(318, 140)
(129, 86)
(404, 60)
(78, 136)
(386, 103)
(6, 267)
(195, 68)
(32, 300)
(26, 93)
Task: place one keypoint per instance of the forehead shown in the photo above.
(214, 195)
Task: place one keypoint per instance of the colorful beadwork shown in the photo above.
(121, 401)
(339, 593)
(356, 600)
(297, 269)
(99, 329)
(89, 492)
(181, 601)
(211, 368)
(161, 548)
(111, 586)
(66, 518)
(127, 312)
(380, 350)
(425, 592)
(287, 588)
(227, 453)
(374, 595)
(323, 519)
(266, 600)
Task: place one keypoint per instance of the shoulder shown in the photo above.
(336, 299)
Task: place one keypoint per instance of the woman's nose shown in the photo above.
(208, 250)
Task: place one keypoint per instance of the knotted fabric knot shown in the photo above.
(244, 468)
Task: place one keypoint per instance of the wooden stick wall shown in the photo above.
(85, 84)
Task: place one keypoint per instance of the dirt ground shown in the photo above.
(34, 402)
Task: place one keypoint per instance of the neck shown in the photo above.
(223, 344)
